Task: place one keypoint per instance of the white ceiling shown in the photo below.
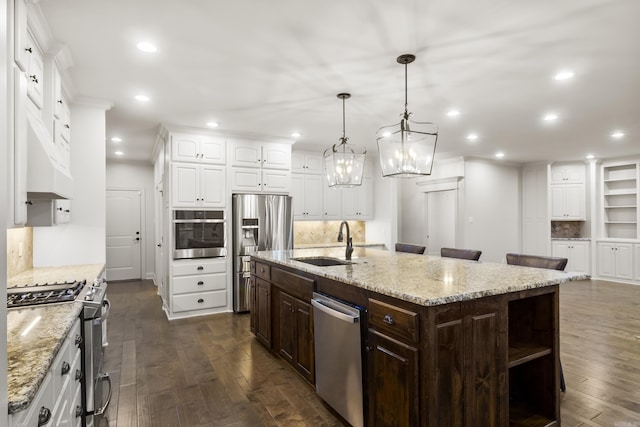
(274, 67)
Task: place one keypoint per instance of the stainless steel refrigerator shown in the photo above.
(261, 222)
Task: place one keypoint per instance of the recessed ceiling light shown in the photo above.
(212, 124)
(453, 113)
(147, 47)
(296, 135)
(617, 134)
(118, 153)
(499, 154)
(590, 156)
(549, 117)
(116, 139)
(142, 98)
(564, 75)
(472, 136)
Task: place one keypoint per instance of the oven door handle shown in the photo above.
(101, 410)
(106, 303)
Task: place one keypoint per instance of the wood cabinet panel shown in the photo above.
(263, 312)
(394, 379)
(447, 400)
(394, 321)
(287, 317)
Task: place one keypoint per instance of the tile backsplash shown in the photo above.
(309, 232)
(566, 229)
(19, 250)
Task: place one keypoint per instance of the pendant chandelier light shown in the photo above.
(344, 162)
(407, 148)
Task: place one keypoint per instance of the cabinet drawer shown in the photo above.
(201, 283)
(294, 284)
(394, 321)
(61, 367)
(263, 271)
(199, 301)
(206, 266)
(44, 399)
(73, 337)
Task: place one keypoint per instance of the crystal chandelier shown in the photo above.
(407, 148)
(344, 162)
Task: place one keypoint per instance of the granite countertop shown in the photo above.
(335, 245)
(421, 279)
(35, 335)
(571, 238)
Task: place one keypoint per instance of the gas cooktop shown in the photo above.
(46, 293)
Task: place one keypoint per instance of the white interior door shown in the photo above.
(441, 221)
(124, 234)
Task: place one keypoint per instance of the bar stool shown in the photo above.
(409, 248)
(470, 254)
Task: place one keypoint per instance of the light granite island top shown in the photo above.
(421, 279)
(35, 335)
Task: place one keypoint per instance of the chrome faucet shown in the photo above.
(349, 250)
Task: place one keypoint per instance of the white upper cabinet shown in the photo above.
(568, 174)
(305, 190)
(357, 202)
(199, 149)
(308, 163)
(251, 154)
(35, 73)
(195, 186)
(21, 44)
(332, 201)
(568, 201)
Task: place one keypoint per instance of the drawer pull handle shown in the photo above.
(200, 283)
(44, 416)
(78, 340)
(78, 375)
(65, 368)
(200, 300)
(79, 411)
(200, 268)
(388, 319)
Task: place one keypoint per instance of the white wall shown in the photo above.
(138, 176)
(492, 208)
(4, 199)
(83, 240)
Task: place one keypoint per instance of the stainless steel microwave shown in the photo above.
(199, 234)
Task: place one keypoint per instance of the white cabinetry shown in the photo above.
(620, 199)
(615, 260)
(332, 202)
(41, 213)
(568, 202)
(306, 190)
(304, 162)
(576, 251)
(260, 167)
(35, 73)
(636, 262)
(198, 285)
(199, 149)
(198, 185)
(357, 202)
(58, 398)
(568, 174)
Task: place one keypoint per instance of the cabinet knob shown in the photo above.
(66, 125)
(79, 411)
(44, 416)
(79, 375)
(28, 203)
(60, 101)
(200, 268)
(388, 319)
(28, 49)
(78, 340)
(33, 78)
(65, 368)
(200, 283)
(200, 300)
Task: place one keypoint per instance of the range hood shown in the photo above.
(46, 177)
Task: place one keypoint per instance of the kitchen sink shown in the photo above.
(323, 261)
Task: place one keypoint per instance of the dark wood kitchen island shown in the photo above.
(447, 342)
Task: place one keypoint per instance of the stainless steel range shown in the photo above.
(93, 317)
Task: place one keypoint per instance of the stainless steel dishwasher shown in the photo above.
(338, 354)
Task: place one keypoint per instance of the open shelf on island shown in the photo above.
(522, 352)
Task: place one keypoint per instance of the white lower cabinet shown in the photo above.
(615, 260)
(198, 285)
(576, 251)
(58, 398)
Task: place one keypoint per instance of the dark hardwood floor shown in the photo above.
(210, 371)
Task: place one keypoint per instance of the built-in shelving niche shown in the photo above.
(620, 201)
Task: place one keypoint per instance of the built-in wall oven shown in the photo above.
(199, 234)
